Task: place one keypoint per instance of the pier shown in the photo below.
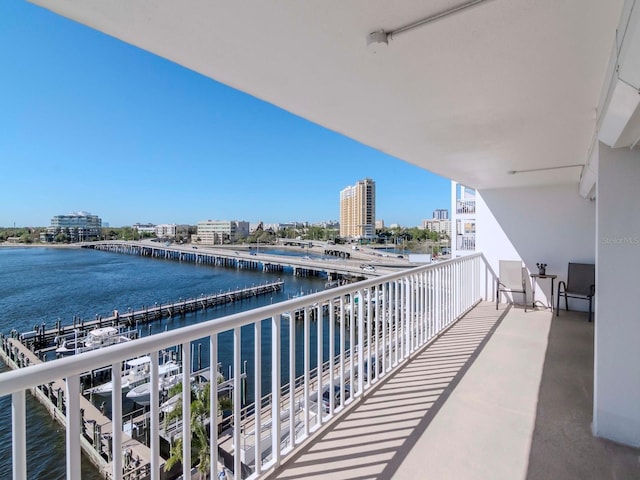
(42, 340)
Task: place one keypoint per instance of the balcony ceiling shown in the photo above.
(503, 85)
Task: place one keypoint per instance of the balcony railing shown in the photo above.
(357, 334)
(465, 206)
(466, 242)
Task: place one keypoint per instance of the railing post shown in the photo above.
(361, 352)
(276, 368)
(343, 320)
(186, 410)
(319, 361)
(154, 438)
(237, 421)
(331, 354)
(257, 386)
(73, 427)
(306, 356)
(19, 435)
(213, 404)
(116, 419)
(292, 379)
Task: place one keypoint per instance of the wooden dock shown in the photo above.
(96, 427)
(41, 340)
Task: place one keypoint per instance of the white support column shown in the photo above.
(19, 435)
(616, 406)
(73, 427)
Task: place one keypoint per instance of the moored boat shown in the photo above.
(96, 338)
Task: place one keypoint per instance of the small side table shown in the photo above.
(537, 276)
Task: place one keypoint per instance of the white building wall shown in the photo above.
(549, 224)
(616, 409)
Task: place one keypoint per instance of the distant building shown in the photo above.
(358, 210)
(75, 226)
(379, 224)
(145, 228)
(441, 214)
(443, 227)
(217, 232)
(166, 230)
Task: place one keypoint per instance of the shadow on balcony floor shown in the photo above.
(563, 445)
(374, 438)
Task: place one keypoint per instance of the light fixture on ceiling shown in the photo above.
(381, 37)
(513, 172)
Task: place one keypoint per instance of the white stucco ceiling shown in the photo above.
(504, 85)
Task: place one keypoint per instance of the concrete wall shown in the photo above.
(617, 335)
(549, 224)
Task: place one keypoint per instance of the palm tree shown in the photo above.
(200, 401)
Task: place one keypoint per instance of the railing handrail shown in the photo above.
(28, 377)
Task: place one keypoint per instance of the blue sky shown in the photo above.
(90, 123)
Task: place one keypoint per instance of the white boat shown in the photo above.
(136, 373)
(141, 394)
(97, 338)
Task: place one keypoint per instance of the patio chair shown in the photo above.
(512, 279)
(581, 283)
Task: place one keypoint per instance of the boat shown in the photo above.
(96, 338)
(137, 372)
(198, 381)
(141, 394)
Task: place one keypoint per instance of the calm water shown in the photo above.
(42, 285)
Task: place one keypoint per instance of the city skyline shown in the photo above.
(90, 123)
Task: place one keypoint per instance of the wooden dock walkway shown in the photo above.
(41, 340)
(96, 427)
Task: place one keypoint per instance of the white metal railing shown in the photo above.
(362, 332)
(466, 242)
(466, 206)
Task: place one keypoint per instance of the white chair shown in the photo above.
(512, 279)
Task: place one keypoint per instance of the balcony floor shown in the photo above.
(502, 395)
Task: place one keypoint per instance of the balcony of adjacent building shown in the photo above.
(467, 206)
(466, 242)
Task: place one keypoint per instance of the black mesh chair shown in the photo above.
(512, 279)
(581, 283)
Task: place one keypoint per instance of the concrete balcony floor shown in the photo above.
(501, 395)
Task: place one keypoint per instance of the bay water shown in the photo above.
(42, 285)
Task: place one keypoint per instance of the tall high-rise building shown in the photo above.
(441, 214)
(358, 210)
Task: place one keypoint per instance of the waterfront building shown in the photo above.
(148, 228)
(441, 214)
(358, 210)
(166, 230)
(535, 106)
(75, 226)
(218, 232)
